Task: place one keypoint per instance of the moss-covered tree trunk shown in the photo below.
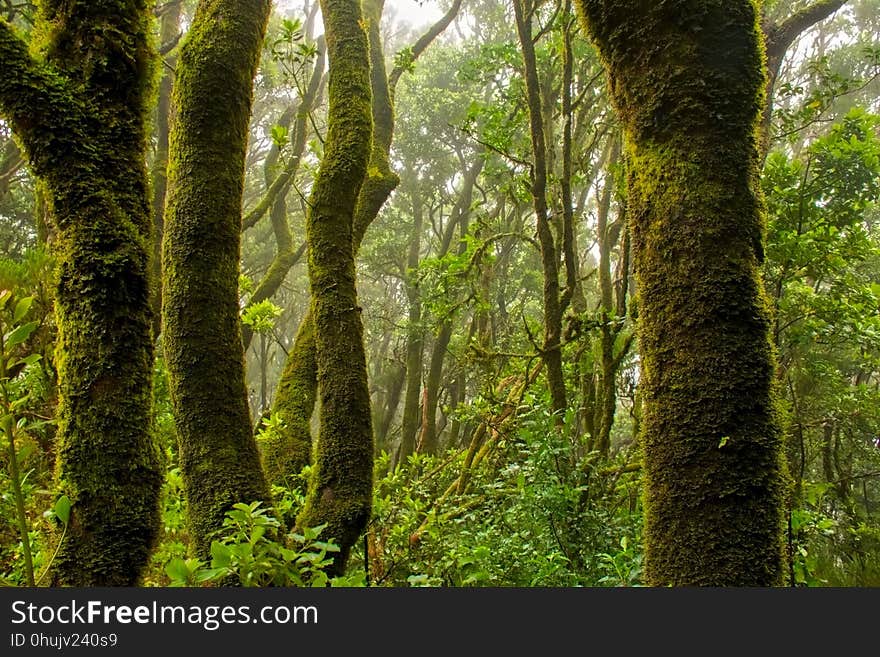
(169, 30)
(288, 450)
(687, 78)
(295, 398)
(376, 189)
(551, 349)
(341, 487)
(202, 338)
(79, 113)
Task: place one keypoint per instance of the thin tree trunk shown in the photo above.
(169, 28)
(606, 386)
(551, 350)
(415, 337)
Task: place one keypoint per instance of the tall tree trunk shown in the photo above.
(168, 32)
(414, 337)
(296, 396)
(376, 189)
(687, 79)
(212, 105)
(341, 487)
(606, 385)
(80, 116)
(552, 346)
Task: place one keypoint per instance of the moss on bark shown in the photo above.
(687, 78)
(340, 489)
(79, 114)
(287, 451)
(296, 394)
(212, 102)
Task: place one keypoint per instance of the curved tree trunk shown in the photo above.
(201, 327)
(341, 486)
(80, 115)
(287, 451)
(377, 187)
(687, 79)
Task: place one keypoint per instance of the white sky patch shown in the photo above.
(417, 13)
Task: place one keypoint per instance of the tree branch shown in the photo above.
(33, 98)
(424, 41)
(282, 182)
(780, 37)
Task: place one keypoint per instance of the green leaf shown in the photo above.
(279, 135)
(723, 441)
(21, 309)
(62, 509)
(177, 570)
(20, 334)
(208, 574)
(29, 360)
(221, 555)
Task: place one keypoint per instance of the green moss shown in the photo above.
(340, 490)
(687, 80)
(289, 449)
(201, 328)
(80, 117)
(352, 216)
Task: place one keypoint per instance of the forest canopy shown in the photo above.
(454, 293)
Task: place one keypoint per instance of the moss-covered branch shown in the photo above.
(39, 103)
(212, 100)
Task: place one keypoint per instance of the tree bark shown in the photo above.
(80, 115)
(687, 79)
(551, 349)
(414, 338)
(341, 486)
(212, 104)
(168, 31)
